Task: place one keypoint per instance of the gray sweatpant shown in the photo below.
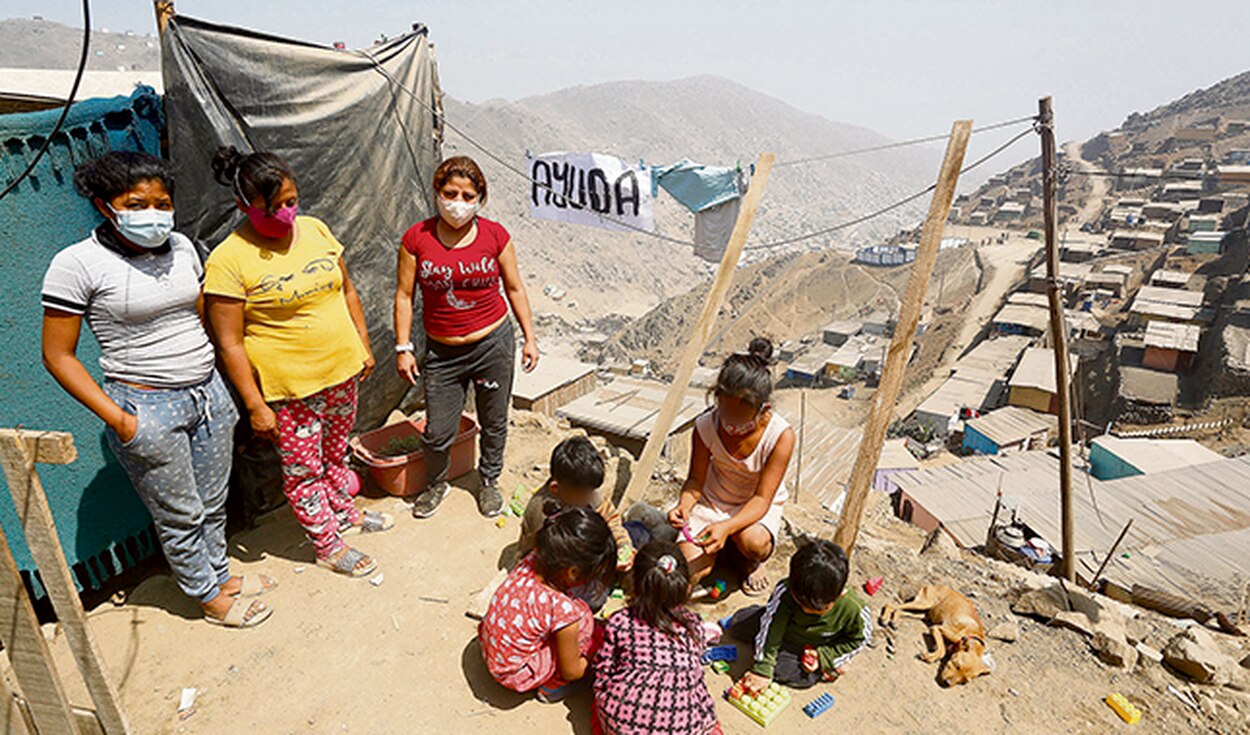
(179, 463)
(446, 374)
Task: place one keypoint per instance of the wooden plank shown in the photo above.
(12, 716)
(47, 447)
(45, 547)
(904, 333)
(702, 332)
(28, 652)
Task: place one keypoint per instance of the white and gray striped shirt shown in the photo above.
(141, 307)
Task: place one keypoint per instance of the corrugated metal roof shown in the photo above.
(894, 456)
(1037, 369)
(628, 407)
(1009, 424)
(1164, 295)
(966, 388)
(1157, 455)
(1025, 315)
(1168, 336)
(1190, 525)
(551, 374)
(996, 355)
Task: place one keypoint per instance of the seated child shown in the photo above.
(534, 635)
(576, 474)
(810, 628)
(648, 676)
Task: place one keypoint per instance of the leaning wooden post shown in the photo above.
(164, 11)
(701, 334)
(904, 333)
(19, 451)
(1058, 334)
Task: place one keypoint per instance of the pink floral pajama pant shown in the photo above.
(312, 441)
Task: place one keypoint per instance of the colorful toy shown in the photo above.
(720, 667)
(763, 707)
(685, 532)
(520, 498)
(872, 586)
(501, 521)
(720, 653)
(617, 593)
(818, 706)
(1123, 708)
(717, 590)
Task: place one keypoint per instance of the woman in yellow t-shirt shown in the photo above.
(291, 334)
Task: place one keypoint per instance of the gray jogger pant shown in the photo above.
(447, 373)
(179, 463)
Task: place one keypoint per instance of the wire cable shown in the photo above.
(69, 102)
(903, 143)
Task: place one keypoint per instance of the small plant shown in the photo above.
(401, 445)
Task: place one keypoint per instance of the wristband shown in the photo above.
(405, 347)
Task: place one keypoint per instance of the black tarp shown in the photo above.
(362, 147)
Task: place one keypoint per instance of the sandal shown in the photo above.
(255, 585)
(236, 616)
(347, 562)
(374, 522)
(756, 583)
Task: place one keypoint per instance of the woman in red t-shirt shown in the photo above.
(458, 260)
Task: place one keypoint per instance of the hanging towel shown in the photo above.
(696, 186)
(712, 228)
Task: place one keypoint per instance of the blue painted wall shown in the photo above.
(103, 526)
(975, 441)
(1106, 466)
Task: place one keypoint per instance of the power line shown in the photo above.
(69, 102)
(903, 143)
(757, 298)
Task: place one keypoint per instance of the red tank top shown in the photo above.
(459, 288)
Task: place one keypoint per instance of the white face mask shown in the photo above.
(147, 228)
(457, 213)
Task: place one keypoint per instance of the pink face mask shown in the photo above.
(273, 226)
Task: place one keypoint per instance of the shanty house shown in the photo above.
(1005, 430)
(1169, 305)
(624, 412)
(555, 382)
(895, 459)
(837, 333)
(1204, 243)
(1171, 347)
(1111, 457)
(1032, 385)
(1136, 239)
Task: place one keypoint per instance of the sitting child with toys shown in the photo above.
(811, 627)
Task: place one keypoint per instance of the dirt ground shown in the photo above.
(343, 655)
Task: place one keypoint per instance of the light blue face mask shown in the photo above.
(147, 228)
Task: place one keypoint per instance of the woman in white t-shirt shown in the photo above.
(735, 490)
(169, 418)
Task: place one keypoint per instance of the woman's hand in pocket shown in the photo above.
(127, 427)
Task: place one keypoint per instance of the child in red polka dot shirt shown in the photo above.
(534, 635)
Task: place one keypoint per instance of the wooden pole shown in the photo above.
(891, 384)
(19, 451)
(164, 11)
(701, 334)
(1058, 334)
(798, 470)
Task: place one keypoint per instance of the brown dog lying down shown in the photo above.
(953, 620)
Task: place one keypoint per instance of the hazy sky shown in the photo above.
(902, 68)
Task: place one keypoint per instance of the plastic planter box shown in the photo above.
(404, 474)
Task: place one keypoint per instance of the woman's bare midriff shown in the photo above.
(467, 339)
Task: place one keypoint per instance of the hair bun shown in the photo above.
(225, 164)
(761, 348)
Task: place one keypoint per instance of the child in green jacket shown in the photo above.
(811, 626)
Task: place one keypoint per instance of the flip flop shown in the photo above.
(374, 522)
(236, 616)
(255, 585)
(346, 564)
(756, 583)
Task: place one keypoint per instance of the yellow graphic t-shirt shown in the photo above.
(298, 334)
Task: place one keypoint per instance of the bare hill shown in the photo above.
(42, 44)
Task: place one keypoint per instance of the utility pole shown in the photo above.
(1058, 332)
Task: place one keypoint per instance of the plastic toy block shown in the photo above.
(685, 532)
(817, 706)
(617, 593)
(763, 707)
(501, 521)
(720, 667)
(1124, 708)
(720, 653)
(872, 586)
(717, 590)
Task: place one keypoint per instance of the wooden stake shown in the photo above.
(1110, 553)
(1058, 335)
(904, 333)
(45, 547)
(798, 470)
(164, 11)
(701, 334)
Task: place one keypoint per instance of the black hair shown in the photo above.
(818, 573)
(576, 462)
(576, 538)
(251, 175)
(659, 594)
(117, 172)
(747, 376)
